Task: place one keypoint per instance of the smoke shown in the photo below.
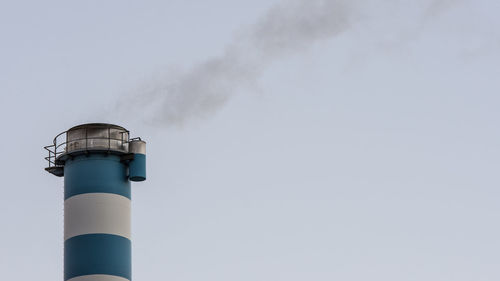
(291, 26)
(287, 28)
(437, 7)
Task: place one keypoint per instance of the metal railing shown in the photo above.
(60, 144)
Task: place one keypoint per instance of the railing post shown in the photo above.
(109, 138)
(55, 151)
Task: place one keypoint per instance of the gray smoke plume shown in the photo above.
(287, 28)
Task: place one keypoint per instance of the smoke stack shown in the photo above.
(97, 161)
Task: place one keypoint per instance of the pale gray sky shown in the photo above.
(372, 154)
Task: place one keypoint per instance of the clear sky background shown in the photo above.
(371, 154)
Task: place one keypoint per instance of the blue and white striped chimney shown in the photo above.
(97, 161)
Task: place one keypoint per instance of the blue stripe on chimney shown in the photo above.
(95, 173)
(97, 254)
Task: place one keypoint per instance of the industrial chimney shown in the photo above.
(97, 161)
